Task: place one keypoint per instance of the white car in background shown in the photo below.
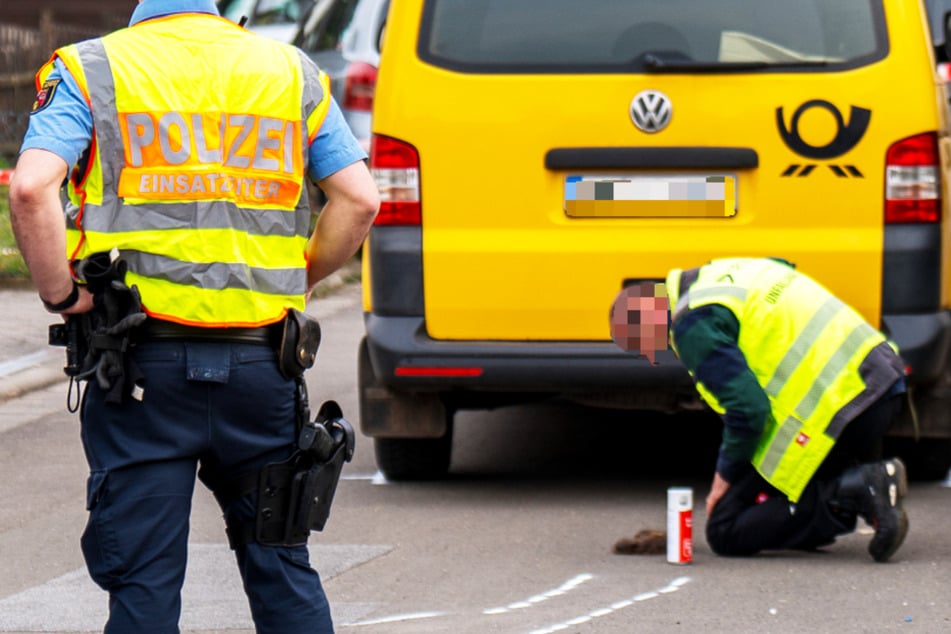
(342, 36)
(276, 19)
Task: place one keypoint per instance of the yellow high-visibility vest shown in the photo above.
(196, 169)
(805, 347)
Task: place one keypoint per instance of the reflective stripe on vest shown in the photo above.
(792, 427)
(200, 190)
(804, 346)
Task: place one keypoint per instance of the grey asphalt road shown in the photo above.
(518, 539)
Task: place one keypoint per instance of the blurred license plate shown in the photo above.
(655, 196)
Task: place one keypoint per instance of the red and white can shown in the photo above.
(680, 525)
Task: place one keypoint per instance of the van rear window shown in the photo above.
(614, 36)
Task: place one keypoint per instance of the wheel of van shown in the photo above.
(927, 459)
(404, 426)
(414, 458)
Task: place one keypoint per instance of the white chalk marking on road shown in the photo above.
(21, 363)
(398, 618)
(374, 478)
(673, 586)
(567, 586)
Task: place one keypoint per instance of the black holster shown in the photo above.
(73, 335)
(295, 495)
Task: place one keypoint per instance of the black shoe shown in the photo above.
(887, 485)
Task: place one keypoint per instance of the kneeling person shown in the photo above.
(806, 389)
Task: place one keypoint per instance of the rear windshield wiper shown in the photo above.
(655, 64)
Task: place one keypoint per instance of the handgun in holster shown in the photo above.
(295, 495)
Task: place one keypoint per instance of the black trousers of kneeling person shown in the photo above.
(753, 516)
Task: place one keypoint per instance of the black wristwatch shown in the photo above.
(66, 303)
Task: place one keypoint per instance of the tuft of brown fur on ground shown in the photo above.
(646, 542)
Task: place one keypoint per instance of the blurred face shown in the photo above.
(639, 319)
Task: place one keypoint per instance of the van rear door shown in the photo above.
(567, 147)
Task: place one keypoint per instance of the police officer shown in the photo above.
(184, 142)
(806, 390)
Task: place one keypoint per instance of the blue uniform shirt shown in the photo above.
(64, 127)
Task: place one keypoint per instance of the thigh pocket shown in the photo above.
(98, 542)
(95, 488)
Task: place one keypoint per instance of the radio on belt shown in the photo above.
(680, 525)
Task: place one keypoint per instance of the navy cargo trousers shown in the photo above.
(753, 516)
(212, 410)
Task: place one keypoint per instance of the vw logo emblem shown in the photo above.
(651, 111)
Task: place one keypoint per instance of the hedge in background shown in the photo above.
(12, 267)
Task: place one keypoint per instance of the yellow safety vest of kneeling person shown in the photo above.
(805, 347)
(196, 170)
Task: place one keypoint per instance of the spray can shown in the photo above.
(679, 525)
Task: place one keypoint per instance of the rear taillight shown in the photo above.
(913, 180)
(359, 86)
(395, 167)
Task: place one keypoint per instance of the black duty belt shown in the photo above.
(154, 329)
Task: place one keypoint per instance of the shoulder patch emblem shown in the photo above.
(45, 96)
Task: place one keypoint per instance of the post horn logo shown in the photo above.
(847, 136)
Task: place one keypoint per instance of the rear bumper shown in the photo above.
(924, 342)
(404, 357)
